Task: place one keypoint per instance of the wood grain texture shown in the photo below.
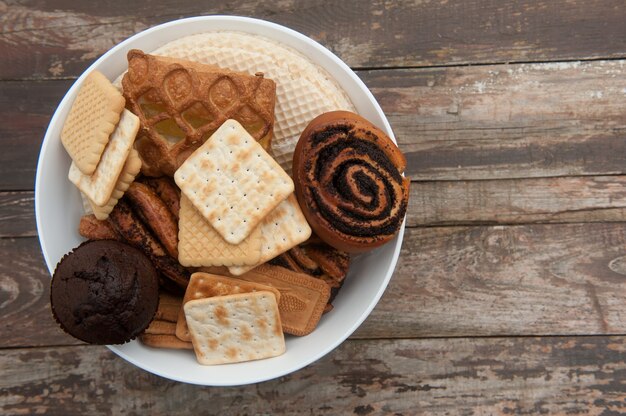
(563, 279)
(556, 375)
(17, 214)
(25, 297)
(491, 149)
(60, 38)
(486, 122)
(25, 111)
(518, 201)
(505, 280)
(436, 203)
(513, 121)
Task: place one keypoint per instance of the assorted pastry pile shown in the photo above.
(198, 235)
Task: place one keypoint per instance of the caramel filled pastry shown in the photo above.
(349, 183)
(182, 103)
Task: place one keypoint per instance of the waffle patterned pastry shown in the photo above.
(181, 103)
(303, 89)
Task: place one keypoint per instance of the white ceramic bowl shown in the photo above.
(58, 210)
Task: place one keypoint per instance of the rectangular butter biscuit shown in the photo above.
(302, 298)
(129, 173)
(93, 117)
(99, 186)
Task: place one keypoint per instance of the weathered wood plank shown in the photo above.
(516, 201)
(556, 375)
(450, 281)
(17, 214)
(24, 296)
(25, 111)
(506, 280)
(60, 38)
(487, 122)
(515, 121)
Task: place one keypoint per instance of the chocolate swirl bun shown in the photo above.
(349, 183)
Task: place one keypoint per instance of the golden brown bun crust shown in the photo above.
(349, 183)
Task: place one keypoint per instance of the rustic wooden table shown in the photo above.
(510, 293)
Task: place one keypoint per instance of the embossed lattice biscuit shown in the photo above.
(285, 227)
(206, 285)
(99, 186)
(200, 245)
(302, 297)
(303, 90)
(129, 172)
(181, 103)
(318, 259)
(233, 182)
(91, 120)
(235, 328)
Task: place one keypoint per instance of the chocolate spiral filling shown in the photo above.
(354, 186)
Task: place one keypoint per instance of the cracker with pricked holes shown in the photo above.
(235, 328)
(206, 285)
(129, 172)
(99, 186)
(233, 182)
(302, 297)
(200, 245)
(285, 227)
(93, 117)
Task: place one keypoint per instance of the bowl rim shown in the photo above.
(318, 48)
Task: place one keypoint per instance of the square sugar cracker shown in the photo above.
(235, 328)
(233, 182)
(91, 120)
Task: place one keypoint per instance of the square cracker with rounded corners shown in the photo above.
(285, 227)
(235, 328)
(206, 285)
(200, 245)
(94, 114)
(99, 186)
(233, 182)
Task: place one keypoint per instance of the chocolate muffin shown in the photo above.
(104, 292)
